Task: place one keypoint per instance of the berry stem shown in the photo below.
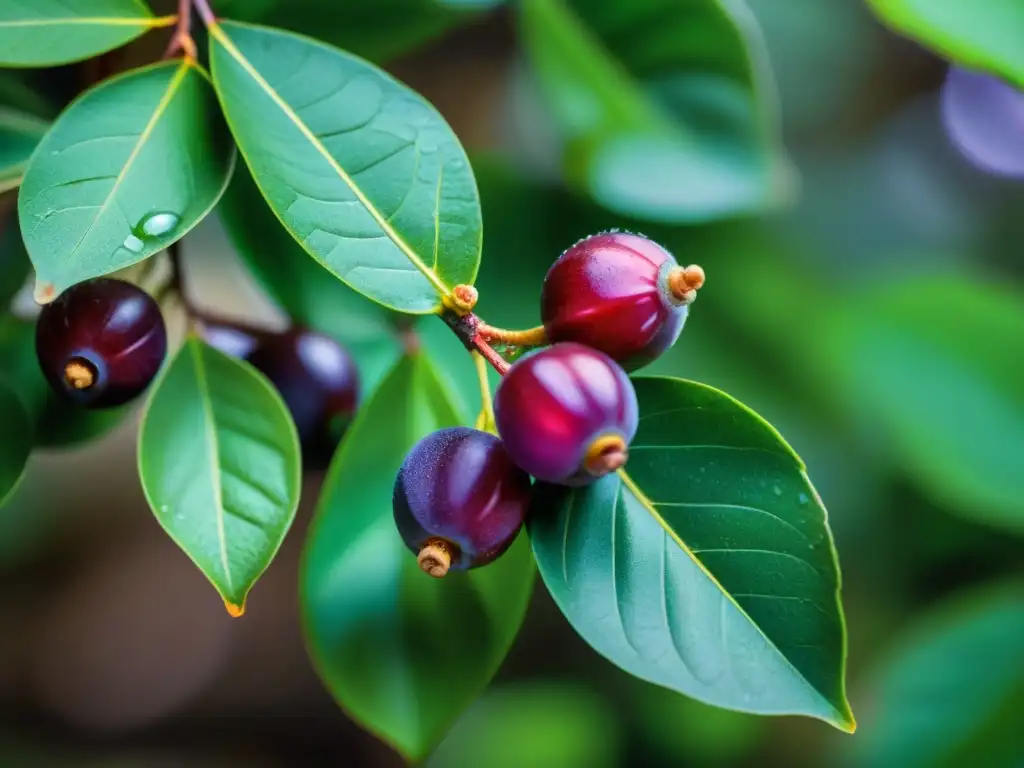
(486, 420)
(182, 38)
(531, 337)
(488, 353)
(205, 12)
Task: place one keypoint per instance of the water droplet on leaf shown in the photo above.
(803, 498)
(133, 244)
(157, 224)
(777, 490)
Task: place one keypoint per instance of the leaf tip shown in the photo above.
(44, 292)
(235, 611)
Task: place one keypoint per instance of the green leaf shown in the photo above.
(19, 135)
(983, 35)
(307, 292)
(939, 376)
(363, 172)
(665, 107)
(126, 170)
(401, 652)
(220, 466)
(534, 724)
(377, 31)
(44, 33)
(708, 566)
(16, 444)
(951, 693)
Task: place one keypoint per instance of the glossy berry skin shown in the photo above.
(459, 486)
(557, 404)
(101, 342)
(610, 292)
(318, 381)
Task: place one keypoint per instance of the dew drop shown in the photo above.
(133, 244)
(457, 164)
(157, 224)
(427, 147)
(803, 498)
(777, 490)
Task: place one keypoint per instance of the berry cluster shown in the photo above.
(102, 342)
(565, 413)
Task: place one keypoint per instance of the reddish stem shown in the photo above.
(182, 38)
(205, 12)
(499, 363)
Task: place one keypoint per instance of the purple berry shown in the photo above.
(620, 293)
(459, 501)
(318, 381)
(101, 342)
(566, 414)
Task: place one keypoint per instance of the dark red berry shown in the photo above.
(101, 342)
(318, 381)
(566, 414)
(620, 293)
(459, 500)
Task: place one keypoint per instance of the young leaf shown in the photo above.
(665, 107)
(982, 35)
(19, 135)
(951, 694)
(16, 441)
(125, 171)
(307, 292)
(707, 566)
(943, 386)
(402, 653)
(220, 466)
(377, 31)
(363, 172)
(44, 33)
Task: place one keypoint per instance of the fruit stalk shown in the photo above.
(182, 40)
(205, 12)
(531, 337)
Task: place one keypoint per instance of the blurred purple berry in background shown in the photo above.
(984, 118)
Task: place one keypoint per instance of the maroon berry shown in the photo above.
(566, 414)
(318, 381)
(620, 293)
(101, 342)
(459, 500)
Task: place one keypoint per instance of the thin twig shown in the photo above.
(531, 337)
(182, 38)
(486, 418)
(205, 12)
(488, 353)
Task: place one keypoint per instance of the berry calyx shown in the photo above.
(567, 414)
(101, 342)
(318, 381)
(620, 293)
(459, 500)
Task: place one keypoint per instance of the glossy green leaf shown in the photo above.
(979, 34)
(15, 438)
(534, 725)
(19, 135)
(126, 170)
(951, 692)
(44, 33)
(708, 567)
(307, 292)
(939, 378)
(403, 654)
(220, 466)
(378, 30)
(665, 107)
(363, 172)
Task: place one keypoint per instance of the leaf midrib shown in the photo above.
(158, 112)
(213, 445)
(844, 720)
(151, 22)
(220, 36)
